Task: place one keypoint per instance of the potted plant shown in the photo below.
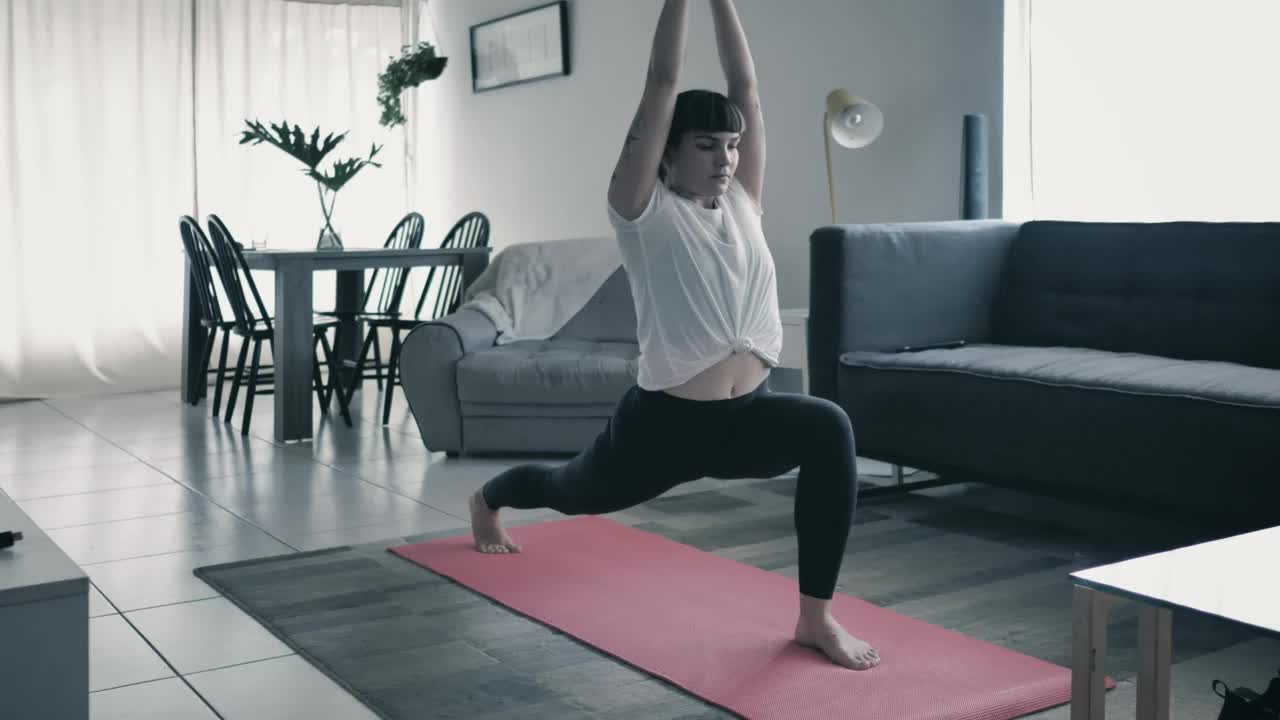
(415, 65)
(311, 152)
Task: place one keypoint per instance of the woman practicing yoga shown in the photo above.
(684, 201)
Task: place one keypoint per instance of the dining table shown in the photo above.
(292, 351)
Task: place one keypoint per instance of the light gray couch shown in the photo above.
(471, 396)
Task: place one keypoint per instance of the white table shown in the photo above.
(1233, 578)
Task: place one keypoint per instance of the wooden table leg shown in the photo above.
(293, 354)
(1155, 640)
(1088, 653)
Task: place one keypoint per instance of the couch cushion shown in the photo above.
(542, 411)
(610, 314)
(549, 372)
(1191, 290)
(1218, 382)
(1141, 430)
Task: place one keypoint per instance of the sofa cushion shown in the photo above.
(542, 411)
(609, 315)
(1191, 290)
(1210, 381)
(1141, 430)
(549, 372)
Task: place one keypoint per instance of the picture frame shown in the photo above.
(522, 47)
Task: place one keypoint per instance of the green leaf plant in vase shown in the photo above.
(311, 152)
(415, 65)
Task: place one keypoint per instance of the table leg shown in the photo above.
(348, 294)
(293, 354)
(1155, 640)
(1088, 653)
(193, 340)
(472, 267)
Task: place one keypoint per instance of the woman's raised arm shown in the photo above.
(740, 75)
(636, 172)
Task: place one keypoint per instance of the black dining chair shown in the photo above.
(382, 294)
(254, 325)
(441, 295)
(205, 279)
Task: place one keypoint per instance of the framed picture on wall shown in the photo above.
(521, 47)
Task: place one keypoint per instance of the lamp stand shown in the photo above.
(826, 141)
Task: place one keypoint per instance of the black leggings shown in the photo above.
(655, 441)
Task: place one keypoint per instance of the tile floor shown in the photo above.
(140, 489)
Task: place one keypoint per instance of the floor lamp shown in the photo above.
(854, 123)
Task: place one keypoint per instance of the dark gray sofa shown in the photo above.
(1130, 363)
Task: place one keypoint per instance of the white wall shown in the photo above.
(536, 157)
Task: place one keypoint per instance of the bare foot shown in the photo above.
(829, 637)
(487, 530)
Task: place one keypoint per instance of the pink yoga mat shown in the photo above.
(722, 630)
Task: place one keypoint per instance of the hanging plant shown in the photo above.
(414, 66)
(311, 152)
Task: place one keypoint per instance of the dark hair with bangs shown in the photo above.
(701, 111)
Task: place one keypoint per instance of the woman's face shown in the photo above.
(703, 163)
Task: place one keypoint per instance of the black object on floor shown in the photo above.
(1243, 703)
(9, 537)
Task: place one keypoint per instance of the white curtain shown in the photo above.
(1146, 110)
(96, 137)
(315, 65)
(122, 115)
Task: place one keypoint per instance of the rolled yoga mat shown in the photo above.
(973, 202)
(722, 630)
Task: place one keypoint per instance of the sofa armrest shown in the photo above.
(428, 372)
(881, 287)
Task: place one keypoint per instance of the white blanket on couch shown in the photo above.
(531, 290)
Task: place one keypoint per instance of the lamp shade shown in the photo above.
(855, 122)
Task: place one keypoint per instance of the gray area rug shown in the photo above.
(977, 560)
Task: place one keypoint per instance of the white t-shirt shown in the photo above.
(703, 282)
